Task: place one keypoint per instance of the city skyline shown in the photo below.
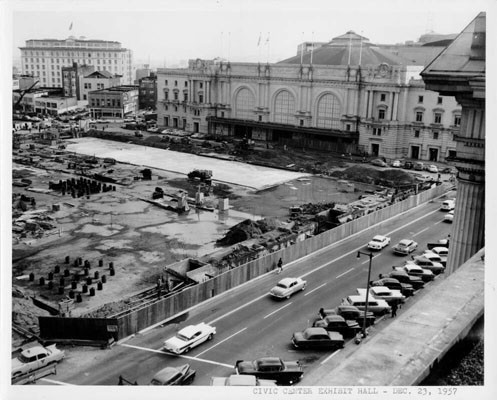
(236, 30)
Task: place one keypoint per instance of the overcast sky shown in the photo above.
(170, 31)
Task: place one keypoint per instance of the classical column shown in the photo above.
(468, 231)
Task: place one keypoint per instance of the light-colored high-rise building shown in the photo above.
(44, 58)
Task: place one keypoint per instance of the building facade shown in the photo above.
(71, 79)
(148, 92)
(354, 97)
(54, 105)
(113, 102)
(460, 71)
(45, 58)
(97, 80)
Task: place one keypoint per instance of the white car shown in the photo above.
(376, 306)
(189, 337)
(448, 205)
(379, 242)
(442, 252)
(415, 270)
(396, 163)
(384, 293)
(432, 168)
(449, 217)
(34, 358)
(153, 129)
(287, 286)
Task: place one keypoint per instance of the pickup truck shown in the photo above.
(274, 368)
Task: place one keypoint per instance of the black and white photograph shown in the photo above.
(283, 196)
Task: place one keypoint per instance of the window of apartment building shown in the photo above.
(84, 97)
(439, 100)
(200, 98)
(185, 96)
(381, 113)
(419, 116)
(201, 85)
(416, 133)
(347, 127)
(435, 135)
(175, 95)
(184, 123)
(457, 120)
(166, 96)
(175, 83)
(166, 107)
(118, 103)
(93, 102)
(383, 97)
(166, 82)
(438, 118)
(186, 83)
(420, 99)
(376, 131)
(222, 114)
(175, 109)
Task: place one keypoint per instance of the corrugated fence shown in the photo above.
(63, 328)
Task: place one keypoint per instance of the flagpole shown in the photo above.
(229, 45)
(222, 45)
(259, 47)
(268, 44)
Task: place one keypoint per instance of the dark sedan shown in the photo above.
(405, 288)
(350, 313)
(317, 338)
(337, 323)
(404, 277)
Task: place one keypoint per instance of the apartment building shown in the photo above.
(113, 102)
(98, 80)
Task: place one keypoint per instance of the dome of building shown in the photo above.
(347, 49)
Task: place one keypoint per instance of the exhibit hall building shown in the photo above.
(345, 96)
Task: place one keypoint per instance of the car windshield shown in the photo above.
(182, 337)
(282, 285)
(377, 239)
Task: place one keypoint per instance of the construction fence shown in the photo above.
(168, 307)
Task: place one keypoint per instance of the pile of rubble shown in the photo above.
(387, 177)
(27, 220)
(247, 229)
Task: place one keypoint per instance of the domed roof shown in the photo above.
(347, 49)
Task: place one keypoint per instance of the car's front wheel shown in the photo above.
(210, 337)
(303, 287)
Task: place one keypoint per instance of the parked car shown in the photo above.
(415, 270)
(403, 277)
(171, 376)
(153, 129)
(286, 287)
(442, 252)
(432, 168)
(189, 337)
(317, 338)
(405, 288)
(449, 217)
(376, 306)
(396, 163)
(379, 162)
(424, 178)
(382, 292)
(350, 313)
(439, 243)
(405, 247)
(408, 165)
(34, 358)
(379, 242)
(337, 323)
(241, 380)
(419, 166)
(449, 170)
(274, 368)
(138, 134)
(448, 205)
(432, 262)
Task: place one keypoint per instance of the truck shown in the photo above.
(274, 368)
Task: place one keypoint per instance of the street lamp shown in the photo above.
(370, 255)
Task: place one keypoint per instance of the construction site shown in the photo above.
(103, 227)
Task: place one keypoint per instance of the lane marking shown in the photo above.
(236, 309)
(222, 341)
(331, 355)
(421, 231)
(313, 290)
(176, 355)
(345, 273)
(56, 382)
(275, 311)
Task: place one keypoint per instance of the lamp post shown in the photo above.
(370, 255)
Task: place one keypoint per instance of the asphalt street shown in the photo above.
(250, 324)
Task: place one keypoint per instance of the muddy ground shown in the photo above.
(139, 238)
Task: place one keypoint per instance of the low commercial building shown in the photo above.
(54, 105)
(97, 80)
(113, 102)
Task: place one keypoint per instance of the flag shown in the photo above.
(70, 26)
(259, 41)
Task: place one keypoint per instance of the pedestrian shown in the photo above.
(380, 276)
(394, 309)
(322, 313)
(280, 265)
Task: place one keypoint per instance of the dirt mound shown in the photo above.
(388, 177)
(246, 230)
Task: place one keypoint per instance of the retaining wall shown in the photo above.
(151, 314)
